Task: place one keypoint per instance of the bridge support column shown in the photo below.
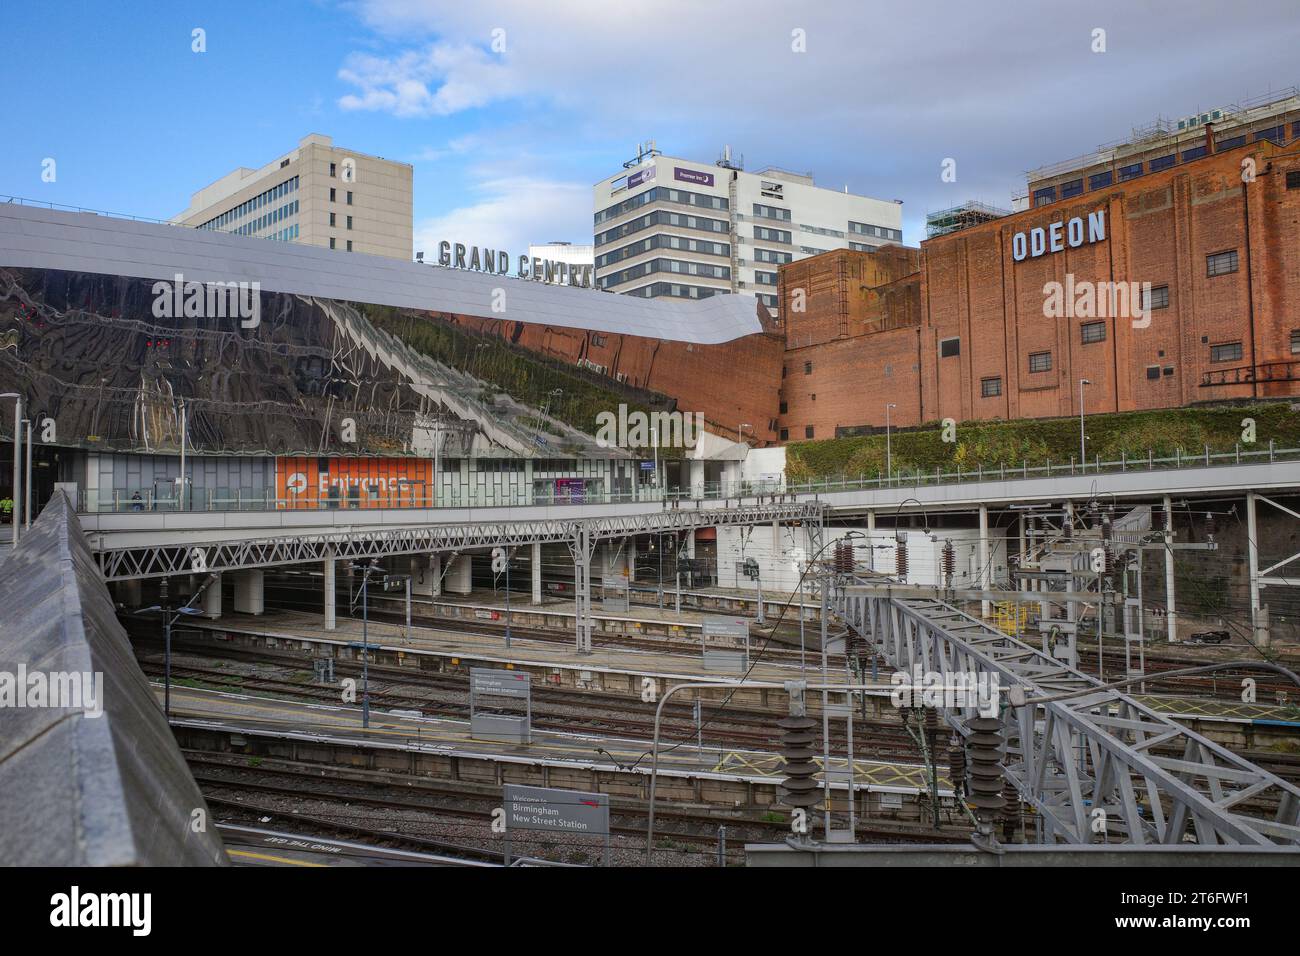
(331, 594)
(1171, 612)
(1252, 555)
(536, 569)
(697, 478)
(249, 596)
(212, 600)
(985, 578)
(426, 570)
(458, 579)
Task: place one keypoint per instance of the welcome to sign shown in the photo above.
(1057, 236)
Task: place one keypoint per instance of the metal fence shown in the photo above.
(146, 499)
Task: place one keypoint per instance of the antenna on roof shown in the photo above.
(644, 151)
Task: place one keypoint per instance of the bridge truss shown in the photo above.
(1099, 767)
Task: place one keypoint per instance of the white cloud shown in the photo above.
(510, 213)
(441, 79)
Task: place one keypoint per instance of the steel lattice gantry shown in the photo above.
(1154, 780)
(163, 560)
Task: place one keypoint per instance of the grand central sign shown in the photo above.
(497, 262)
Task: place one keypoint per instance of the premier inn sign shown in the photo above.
(1073, 233)
(497, 262)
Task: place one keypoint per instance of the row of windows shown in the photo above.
(656, 289)
(287, 234)
(1074, 187)
(771, 212)
(334, 195)
(334, 244)
(667, 194)
(664, 241)
(661, 217)
(705, 269)
(250, 205)
(765, 278)
(819, 231)
(767, 300)
(334, 221)
(772, 235)
(272, 217)
(862, 246)
(772, 255)
(882, 232)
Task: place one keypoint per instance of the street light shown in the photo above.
(18, 453)
(365, 570)
(1083, 439)
(740, 431)
(889, 457)
(169, 619)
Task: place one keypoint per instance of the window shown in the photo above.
(1167, 371)
(1221, 263)
(1273, 135)
(1227, 352)
(1196, 152)
(349, 222)
(1159, 297)
(332, 223)
(1164, 162)
(1153, 372)
(1293, 179)
(807, 368)
(332, 192)
(1232, 143)
(332, 170)
(1091, 332)
(1043, 196)
(597, 339)
(1073, 188)
(1295, 341)
(331, 242)
(1101, 180)
(808, 432)
(1130, 172)
(785, 408)
(1040, 361)
(991, 387)
(349, 245)
(785, 434)
(949, 347)
(349, 197)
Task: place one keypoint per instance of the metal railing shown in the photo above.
(146, 500)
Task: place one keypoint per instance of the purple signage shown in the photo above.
(692, 176)
(640, 176)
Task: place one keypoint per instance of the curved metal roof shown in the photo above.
(38, 238)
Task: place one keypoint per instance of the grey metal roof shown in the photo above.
(79, 790)
(36, 238)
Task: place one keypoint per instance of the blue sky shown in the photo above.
(507, 142)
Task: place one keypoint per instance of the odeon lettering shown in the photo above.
(1057, 236)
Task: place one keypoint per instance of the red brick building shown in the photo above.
(1214, 240)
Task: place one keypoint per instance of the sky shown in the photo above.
(510, 111)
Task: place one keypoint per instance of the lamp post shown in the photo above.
(169, 618)
(1083, 439)
(889, 457)
(17, 494)
(365, 570)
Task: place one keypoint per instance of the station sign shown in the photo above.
(549, 810)
(486, 681)
(459, 255)
(725, 630)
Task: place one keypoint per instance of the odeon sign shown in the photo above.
(1058, 235)
(497, 262)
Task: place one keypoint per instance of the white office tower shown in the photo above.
(675, 227)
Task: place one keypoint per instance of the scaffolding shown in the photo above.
(961, 217)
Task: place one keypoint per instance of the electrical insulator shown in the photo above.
(1211, 524)
(1010, 811)
(844, 558)
(957, 765)
(949, 559)
(986, 777)
(800, 789)
(1106, 529)
(900, 559)
(1159, 519)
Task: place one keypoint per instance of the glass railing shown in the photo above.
(219, 500)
